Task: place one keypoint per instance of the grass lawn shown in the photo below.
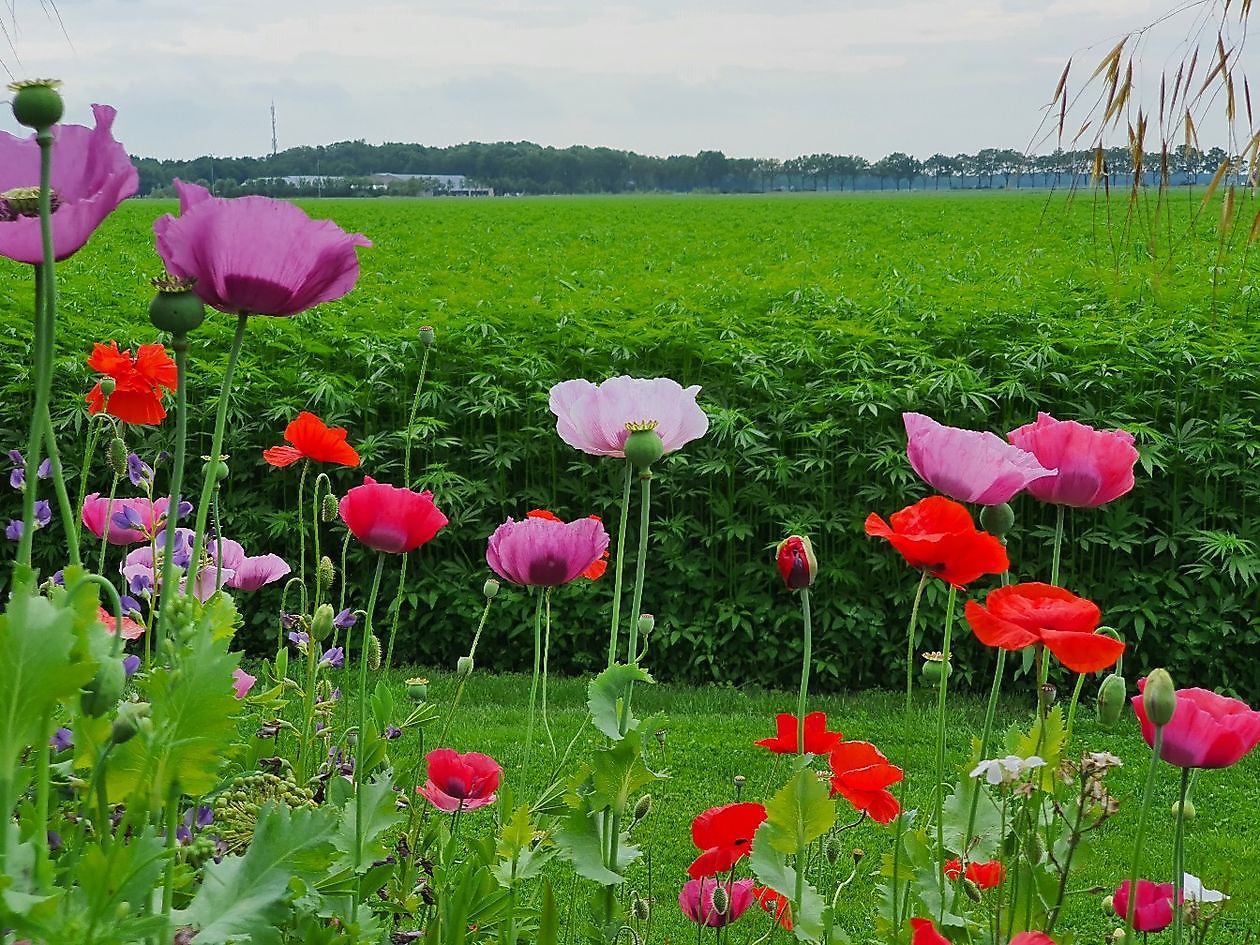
(708, 741)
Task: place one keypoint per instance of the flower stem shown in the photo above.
(990, 713)
(459, 690)
(1076, 697)
(940, 743)
(397, 609)
(807, 653)
(68, 517)
(42, 787)
(640, 568)
(1179, 860)
(94, 436)
(1141, 833)
(179, 342)
(359, 768)
(411, 419)
(1056, 555)
(533, 686)
(216, 450)
(617, 573)
(109, 525)
(546, 650)
(306, 468)
(905, 746)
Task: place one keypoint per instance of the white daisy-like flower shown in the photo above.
(1194, 890)
(1006, 770)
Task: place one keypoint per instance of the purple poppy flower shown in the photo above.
(248, 573)
(346, 619)
(968, 465)
(200, 816)
(335, 657)
(392, 732)
(14, 530)
(61, 740)
(91, 175)
(131, 663)
(255, 255)
(539, 552)
(137, 567)
(289, 621)
(593, 417)
(299, 638)
(138, 471)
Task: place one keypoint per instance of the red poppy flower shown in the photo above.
(595, 570)
(818, 741)
(386, 518)
(313, 439)
(986, 875)
(861, 774)
(460, 782)
(775, 904)
(138, 382)
(925, 933)
(952, 868)
(937, 535)
(724, 835)
(1022, 615)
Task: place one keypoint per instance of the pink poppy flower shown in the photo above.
(696, 901)
(91, 176)
(130, 629)
(133, 520)
(1207, 730)
(387, 518)
(593, 417)
(968, 465)
(248, 573)
(1094, 466)
(143, 577)
(242, 682)
(1154, 909)
(255, 255)
(460, 782)
(539, 552)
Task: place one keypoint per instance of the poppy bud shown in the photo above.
(374, 652)
(464, 665)
(426, 335)
(108, 384)
(646, 624)
(329, 510)
(643, 446)
(417, 688)
(490, 589)
(797, 564)
(641, 909)
(1111, 699)
(1188, 810)
(37, 103)
(721, 900)
(858, 853)
(641, 809)
(972, 890)
(322, 621)
(325, 573)
(118, 456)
(127, 723)
(175, 308)
(1159, 697)
(104, 689)
(997, 519)
(832, 850)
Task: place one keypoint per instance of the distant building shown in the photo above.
(454, 185)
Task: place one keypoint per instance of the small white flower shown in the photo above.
(1104, 760)
(1194, 890)
(1006, 770)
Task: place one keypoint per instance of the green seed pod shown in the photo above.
(105, 689)
(642, 808)
(417, 688)
(1190, 812)
(1112, 695)
(217, 468)
(934, 666)
(374, 653)
(643, 446)
(464, 665)
(721, 900)
(329, 508)
(490, 589)
(128, 721)
(426, 335)
(646, 624)
(972, 890)
(326, 573)
(118, 457)
(108, 385)
(997, 519)
(322, 622)
(1159, 697)
(175, 308)
(37, 103)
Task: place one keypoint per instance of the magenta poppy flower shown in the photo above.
(539, 552)
(1094, 466)
(1154, 909)
(248, 573)
(242, 682)
(255, 255)
(91, 176)
(387, 518)
(968, 465)
(1206, 731)
(696, 901)
(132, 520)
(594, 417)
(460, 782)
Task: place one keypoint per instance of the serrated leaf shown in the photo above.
(580, 843)
(616, 773)
(986, 824)
(607, 693)
(380, 812)
(770, 867)
(1045, 739)
(801, 812)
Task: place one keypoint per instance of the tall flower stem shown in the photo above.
(69, 519)
(359, 768)
(45, 328)
(109, 524)
(459, 690)
(94, 437)
(940, 742)
(397, 609)
(640, 570)
(1057, 554)
(1139, 845)
(216, 449)
(1179, 860)
(617, 565)
(546, 650)
(807, 655)
(306, 468)
(533, 686)
(1043, 663)
(179, 343)
(905, 745)
(411, 419)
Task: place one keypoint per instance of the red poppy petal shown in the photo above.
(138, 407)
(156, 366)
(967, 556)
(595, 570)
(925, 933)
(107, 359)
(96, 399)
(992, 631)
(1083, 652)
(281, 456)
(543, 514)
(877, 527)
(934, 515)
(1033, 605)
(320, 442)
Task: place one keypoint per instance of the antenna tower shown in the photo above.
(273, 129)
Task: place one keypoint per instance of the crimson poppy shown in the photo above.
(775, 904)
(313, 439)
(460, 782)
(724, 836)
(818, 741)
(1022, 615)
(595, 570)
(797, 563)
(937, 535)
(984, 875)
(926, 933)
(138, 382)
(861, 774)
(386, 518)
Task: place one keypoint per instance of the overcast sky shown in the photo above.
(771, 78)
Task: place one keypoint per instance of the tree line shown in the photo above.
(527, 168)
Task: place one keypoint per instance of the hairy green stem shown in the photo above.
(94, 436)
(411, 419)
(533, 686)
(807, 655)
(68, 516)
(640, 570)
(306, 468)
(1179, 860)
(179, 342)
(617, 565)
(1139, 846)
(459, 690)
(940, 743)
(360, 772)
(905, 747)
(546, 651)
(109, 524)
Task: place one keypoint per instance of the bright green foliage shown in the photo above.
(580, 843)
(519, 858)
(380, 813)
(772, 870)
(1045, 739)
(608, 692)
(800, 813)
(617, 774)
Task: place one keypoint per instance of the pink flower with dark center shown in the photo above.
(968, 465)
(593, 417)
(1094, 466)
(1154, 909)
(91, 176)
(539, 552)
(696, 901)
(460, 782)
(1206, 731)
(133, 520)
(255, 255)
(387, 518)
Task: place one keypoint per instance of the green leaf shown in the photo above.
(1046, 740)
(379, 814)
(770, 867)
(986, 828)
(246, 898)
(801, 812)
(580, 843)
(617, 772)
(606, 694)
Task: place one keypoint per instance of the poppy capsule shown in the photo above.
(797, 564)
